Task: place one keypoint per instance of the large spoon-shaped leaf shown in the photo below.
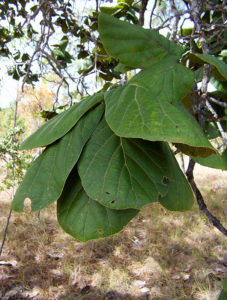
(180, 196)
(135, 111)
(122, 173)
(45, 178)
(133, 45)
(86, 219)
(61, 124)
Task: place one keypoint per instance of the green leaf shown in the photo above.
(180, 196)
(224, 284)
(211, 129)
(223, 295)
(45, 178)
(143, 48)
(61, 124)
(130, 173)
(215, 161)
(122, 173)
(219, 85)
(86, 219)
(219, 67)
(148, 107)
(122, 68)
(168, 80)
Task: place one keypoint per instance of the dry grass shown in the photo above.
(159, 255)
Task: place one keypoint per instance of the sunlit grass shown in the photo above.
(166, 255)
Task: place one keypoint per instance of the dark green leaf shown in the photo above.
(86, 219)
(122, 173)
(130, 173)
(219, 85)
(224, 284)
(180, 196)
(45, 179)
(61, 124)
(122, 68)
(219, 67)
(223, 295)
(133, 45)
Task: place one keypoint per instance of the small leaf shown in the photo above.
(143, 48)
(45, 178)
(86, 219)
(122, 68)
(215, 161)
(61, 124)
(122, 173)
(219, 67)
(219, 85)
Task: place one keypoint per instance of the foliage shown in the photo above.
(113, 175)
(223, 293)
(111, 153)
(15, 161)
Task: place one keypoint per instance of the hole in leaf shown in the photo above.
(107, 193)
(176, 126)
(100, 231)
(113, 201)
(165, 180)
(159, 196)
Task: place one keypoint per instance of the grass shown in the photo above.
(160, 255)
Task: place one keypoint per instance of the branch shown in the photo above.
(152, 11)
(220, 103)
(176, 21)
(142, 11)
(200, 201)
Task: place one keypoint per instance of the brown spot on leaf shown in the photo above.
(100, 231)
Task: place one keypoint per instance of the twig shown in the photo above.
(200, 201)
(10, 211)
(5, 231)
(152, 12)
(223, 133)
(220, 103)
(176, 20)
(142, 12)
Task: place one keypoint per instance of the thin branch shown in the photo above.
(13, 171)
(220, 103)
(223, 133)
(176, 20)
(200, 200)
(152, 12)
(142, 11)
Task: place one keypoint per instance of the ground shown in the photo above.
(160, 255)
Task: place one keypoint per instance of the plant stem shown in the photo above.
(10, 211)
(5, 231)
(200, 200)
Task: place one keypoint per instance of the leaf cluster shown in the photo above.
(109, 155)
